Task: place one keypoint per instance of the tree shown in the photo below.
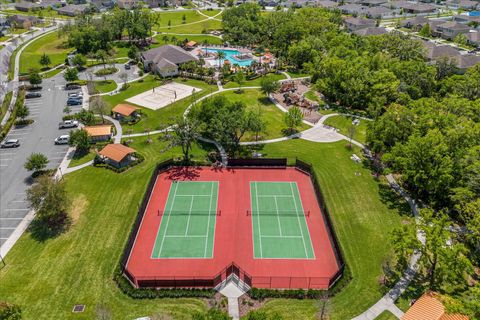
(257, 123)
(460, 39)
(23, 111)
(185, 132)
(79, 61)
(220, 56)
(124, 77)
(169, 23)
(71, 74)
(79, 139)
(67, 110)
(165, 38)
(49, 198)
(425, 31)
(99, 106)
(34, 78)
(444, 264)
(240, 79)
(10, 311)
(293, 118)
(351, 132)
(101, 55)
(133, 53)
(184, 18)
(45, 60)
(269, 85)
(36, 162)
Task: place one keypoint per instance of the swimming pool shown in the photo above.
(229, 55)
(474, 13)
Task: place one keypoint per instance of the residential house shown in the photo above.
(4, 26)
(166, 59)
(462, 61)
(21, 21)
(370, 31)
(102, 5)
(414, 23)
(73, 10)
(467, 19)
(124, 112)
(117, 155)
(430, 307)
(450, 29)
(99, 133)
(373, 3)
(26, 6)
(52, 4)
(354, 24)
(127, 4)
(466, 61)
(462, 4)
(378, 12)
(473, 38)
(327, 4)
(409, 7)
(351, 8)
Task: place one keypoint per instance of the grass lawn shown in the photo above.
(5, 104)
(77, 266)
(49, 44)
(196, 38)
(343, 123)
(212, 13)
(253, 99)
(254, 82)
(4, 38)
(386, 315)
(175, 18)
(105, 86)
(195, 28)
(79, 159)
(52, 73)
(363, 211)
(155, 119)
(298, 74)
(310, 94)
(18, 30)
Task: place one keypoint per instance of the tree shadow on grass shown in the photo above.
(393, 200)
(44, 229)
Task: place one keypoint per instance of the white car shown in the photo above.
(68, 124)
(10, 143)
(63, 139)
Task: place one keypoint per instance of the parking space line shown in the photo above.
(16, 210)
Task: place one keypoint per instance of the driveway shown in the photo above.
(132, 73)
(47, 111)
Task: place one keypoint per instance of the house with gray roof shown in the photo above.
(466, 19)
(378, 12)
(327, 4)
(463, 4)
(370, 31)
(450, 29)
(26, 6)
(473, 38)
(354, 24)
(414, 23)
(165, 60)
(73, 10)
(351, 8)
(373, 3)
(22, 21)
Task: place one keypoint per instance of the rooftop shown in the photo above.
(100, 130)
(171, 53)
(124, 109)
(429, 307)
(116, 151)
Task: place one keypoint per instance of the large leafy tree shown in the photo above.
(36, 162)
(183, 135)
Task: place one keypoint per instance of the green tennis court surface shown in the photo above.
(188, 221)
(279, 225)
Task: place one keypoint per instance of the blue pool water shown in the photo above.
(229, 55)
(474, 13)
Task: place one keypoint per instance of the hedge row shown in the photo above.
(260, 294)
(126, 287)
(13, 116)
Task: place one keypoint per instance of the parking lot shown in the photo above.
(47, 112)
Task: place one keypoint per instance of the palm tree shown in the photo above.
(220, 56)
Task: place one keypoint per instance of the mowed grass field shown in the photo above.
(157, 119)
(363, 214)
(197, 38)
(255, 100)
(343, 124)
(175, 18)
(49, 44)
(48, 278)
(253, 83)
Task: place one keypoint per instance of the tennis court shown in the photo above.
(188, 221)
(279, 223)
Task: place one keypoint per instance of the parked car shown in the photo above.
(33, 95)
(68, 124)
(10, 143)
(72, 86)
(63, 139)
(77, 94)
(127, 66)
(74, 101)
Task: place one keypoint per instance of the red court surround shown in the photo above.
(233, 234)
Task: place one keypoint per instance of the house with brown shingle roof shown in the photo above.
(430, 307)
(124, 111)
(102, 132)
(117, 155)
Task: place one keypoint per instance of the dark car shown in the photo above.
(127, 66)
(10, 143)
(72, 86)
(30, 95)
(74, 102)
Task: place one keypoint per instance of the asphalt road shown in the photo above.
(47, 112)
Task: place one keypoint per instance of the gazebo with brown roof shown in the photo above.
(430, 307)
(124, 110)
(190, 44)
(117, 154)
(102, 132)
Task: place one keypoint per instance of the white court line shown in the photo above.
(258, 220)
(293, 237)
(299, 223)
(168, 220)
(276, 196)
(278, 216)
(189, 215)
(208, 223)
(185, 236)
(193, 195)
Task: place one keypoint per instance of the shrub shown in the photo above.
(10, 311)
(23, 122)
(105, 71)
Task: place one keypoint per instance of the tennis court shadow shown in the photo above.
(184, 173)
